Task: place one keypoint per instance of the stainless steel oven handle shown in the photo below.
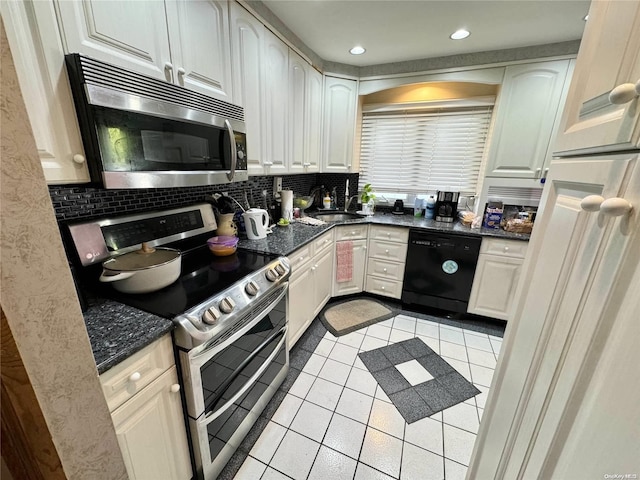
(234, 152)
(210, 351)
(211, 406)
(209, 416)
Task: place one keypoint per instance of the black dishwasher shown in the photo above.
(439, 270)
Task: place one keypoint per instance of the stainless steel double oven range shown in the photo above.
(230, 315)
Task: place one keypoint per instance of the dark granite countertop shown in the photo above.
(285, 240)
(117, 331)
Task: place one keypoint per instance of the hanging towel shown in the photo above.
(344, 261)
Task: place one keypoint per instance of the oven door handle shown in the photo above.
(225, 386)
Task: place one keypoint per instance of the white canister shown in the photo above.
(286, 197)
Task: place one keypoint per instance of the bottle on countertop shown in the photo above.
(430, 208)
(417, 207)
(326, 202)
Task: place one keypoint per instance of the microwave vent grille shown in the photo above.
(103, 74)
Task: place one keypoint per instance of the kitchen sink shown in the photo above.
(336, 216)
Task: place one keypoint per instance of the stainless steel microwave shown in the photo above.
(141, 132)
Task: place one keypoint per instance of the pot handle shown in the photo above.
(114, 278)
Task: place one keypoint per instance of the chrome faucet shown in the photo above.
(347, 202)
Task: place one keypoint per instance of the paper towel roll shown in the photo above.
(286, 197)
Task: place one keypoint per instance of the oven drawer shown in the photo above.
(129, 377)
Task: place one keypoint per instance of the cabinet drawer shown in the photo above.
(300, 257)
(351, 232)
(505, 248)
(382, 286)
(385, 269)
(396, 252)
(390, 234)
(323, 243)
(119, 383)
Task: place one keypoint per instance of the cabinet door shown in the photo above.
(246, 49)
(339, 123)
(151, 432)
(131, 35)
(526, 111)
(300, 301)
(313, 121)
(356, 284)
(323, 274)
(609, 56)
(297, 119)
(34, 38)
(575, 273)
(494, 285)
(276, 101)
(200, 50)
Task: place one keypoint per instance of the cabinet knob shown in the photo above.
(301, 259)
(386, 251)
(313, 269)
(615, 207)
(175, 388)
(364, 247)
(382, 287)
(349, 166)
(77, 158)
(353, 232)
(326, 241)
(506, 249)
(624, 93)
(135, 376)
(384, 270)
(591, 203)
(388, 234)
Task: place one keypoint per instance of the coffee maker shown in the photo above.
(446, 206)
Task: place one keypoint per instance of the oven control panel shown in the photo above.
(215, 316)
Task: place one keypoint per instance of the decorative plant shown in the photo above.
(367, 194)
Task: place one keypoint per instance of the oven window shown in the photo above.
(227, 372)
(134, 142)
(222, 428)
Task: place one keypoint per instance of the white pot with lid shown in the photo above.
(142, 271)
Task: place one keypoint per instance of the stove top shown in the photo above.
(203, 276)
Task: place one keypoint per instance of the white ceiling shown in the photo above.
(395, 31)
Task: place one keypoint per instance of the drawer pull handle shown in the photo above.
(384, 270)
(326, 241)
(386, 251)
(313, 269)
(382, 287)
(135, 376)
(175, 388)
(389, 234)
(353, 233)
(301, 258)
(506, 249)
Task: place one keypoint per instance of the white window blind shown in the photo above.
(426, 151)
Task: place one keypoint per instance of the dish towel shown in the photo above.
(344, 261)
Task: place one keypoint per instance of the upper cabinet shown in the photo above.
(527, 114)
(339, 123)
(603, 111)
(180, 41)
(305, 115)
(38, 55)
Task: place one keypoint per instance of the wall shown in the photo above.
(40, 303)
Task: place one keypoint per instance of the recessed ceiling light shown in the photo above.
(357, 50)
(459, 34)
(586, 17)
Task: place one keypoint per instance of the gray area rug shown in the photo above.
(350, 315)
(415, 402)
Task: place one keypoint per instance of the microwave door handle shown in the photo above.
(234, 153)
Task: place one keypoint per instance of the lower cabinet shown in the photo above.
(310, 284)
(143, 395)
(357, 236)
(386, 260)
(496, 278)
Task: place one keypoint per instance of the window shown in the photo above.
(423, 151)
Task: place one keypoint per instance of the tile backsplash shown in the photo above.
(72, 202)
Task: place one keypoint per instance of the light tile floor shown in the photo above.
(336, 423)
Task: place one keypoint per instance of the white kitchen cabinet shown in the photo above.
(38, 54)
(305, 115)
(357, 235)
(165, 40)
(386, 260)
(310, 284)
(339, 123)
(609, 57)
(531, 99)
(497, 274)
(143, 395)
(246, 48)
(275, 107)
